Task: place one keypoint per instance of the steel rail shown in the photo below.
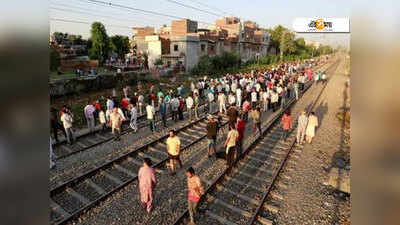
(141, 124)
(227, 171)
(282, 164)
(62, 187)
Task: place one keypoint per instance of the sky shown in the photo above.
(75, 16)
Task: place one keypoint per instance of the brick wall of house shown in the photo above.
(183, 27)
(143, 31)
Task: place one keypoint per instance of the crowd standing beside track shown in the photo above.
(245, 93)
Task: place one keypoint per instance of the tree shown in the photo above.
(120, 45)
(158, 62)
(100, 42)
(77, 39)
(276, 36)
(54, 60)
(287, 45)
(59, 37)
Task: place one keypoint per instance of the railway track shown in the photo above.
(239, 194)
(90, 140)
(73, 197)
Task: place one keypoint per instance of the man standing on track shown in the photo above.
(230, 145)
(141, 103)
(239, 97)
(163, 111)
(196, 105)
(133, 110)
(174, 107)
(195, 191)
(147, 182)
(246, 109)
(274, 100)
(222, 102)
(109, 107)
(240, 127)
(232, 114)
(296, 88)
(173, 149)
(115, 123)
(67, 120)
(55, 125)
(150, 116)
(212, 129)
(210, 101)
(286, 124)
(189, 106)
(256, 116)
(301, 127)
(88, 111)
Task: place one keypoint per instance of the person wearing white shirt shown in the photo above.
(189, 106)
(234, 86)
(222, 102)
(239, 97)
(150, 116)
(253, 98)
(231, 99)
(248, 88)
(102, 119)
(67, 120)
(279, 90)
(258, 87)
(210, 101)
(265, 98)
(121, 114)
(110, 106)
(274, 100)
(141, 103)
(192, 86)
(133, 118)
(227, 88)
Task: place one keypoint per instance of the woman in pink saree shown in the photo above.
(147, 182)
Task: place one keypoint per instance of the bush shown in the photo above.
(158, 62)
(216, 64)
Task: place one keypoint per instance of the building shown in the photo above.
(183, 27)
(184, 51)
(184, 43)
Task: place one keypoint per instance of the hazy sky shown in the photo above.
(81, 13)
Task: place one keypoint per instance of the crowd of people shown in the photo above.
(239, 96)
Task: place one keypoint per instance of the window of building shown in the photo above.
(203, 47)
(175, 48)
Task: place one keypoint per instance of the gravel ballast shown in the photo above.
(307, 200)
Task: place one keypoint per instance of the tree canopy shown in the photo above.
(120, 45)
(100, 42)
